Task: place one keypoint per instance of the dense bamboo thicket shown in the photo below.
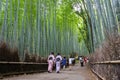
(103, 21)
(100, 16)
(31, 29)
(37, 27)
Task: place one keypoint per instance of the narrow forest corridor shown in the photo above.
(77, 30)
(77, 73)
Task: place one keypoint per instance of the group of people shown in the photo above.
(58, 61)
(55, 61)
(83, 60)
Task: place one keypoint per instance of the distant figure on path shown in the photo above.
(81, 60)
(50, 61)
(64, 62)
(85, 60)
(58, 62)
(70, 62)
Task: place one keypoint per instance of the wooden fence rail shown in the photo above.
(106, 63)
(98, 75)
(10, 68)
(4, 62)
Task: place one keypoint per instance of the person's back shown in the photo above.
(64, 61)
(58, 62)
(50, 60)
(58, 58)
(70, 62)
(81, 61)
(51, 57)
(85, 60)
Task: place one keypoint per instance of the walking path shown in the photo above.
(77, 73)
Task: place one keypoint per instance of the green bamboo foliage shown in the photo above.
(102, 17)
(4, 26)
(44, 26)
(116, 11)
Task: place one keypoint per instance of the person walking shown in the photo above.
(81, 61)
(85, 60)
(70, 62)
(64, 62)
(58, 62)
(50, 61)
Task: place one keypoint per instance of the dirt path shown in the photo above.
(77, 73)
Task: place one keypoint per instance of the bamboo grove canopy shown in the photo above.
(65, 26)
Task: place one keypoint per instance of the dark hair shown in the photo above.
(58, 53)
(52, 52)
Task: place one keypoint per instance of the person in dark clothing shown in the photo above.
(64, 62)
(81, 61)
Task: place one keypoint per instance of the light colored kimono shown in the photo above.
(50, 62)
(50, 65)
(58, 63)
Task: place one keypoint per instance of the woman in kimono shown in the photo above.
(58, 62)
(50, 61)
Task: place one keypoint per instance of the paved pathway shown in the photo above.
(77, 73)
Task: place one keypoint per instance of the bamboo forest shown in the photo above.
(31, 29)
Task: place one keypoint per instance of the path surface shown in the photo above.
(77, 73)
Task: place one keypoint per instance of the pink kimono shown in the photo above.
(50, 62)
(50, 65)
